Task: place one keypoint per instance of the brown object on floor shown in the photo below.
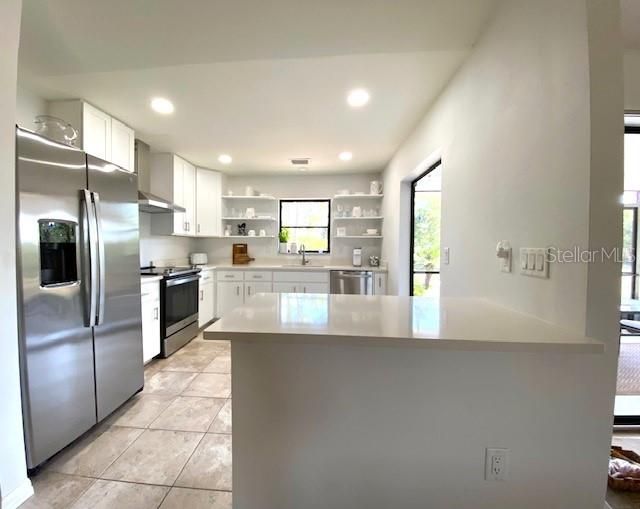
(241, 254)
(624, 470)
(629, 369)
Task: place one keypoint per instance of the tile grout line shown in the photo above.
(191, 455)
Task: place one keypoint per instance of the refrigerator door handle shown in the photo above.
(101, 259)
(90, 236)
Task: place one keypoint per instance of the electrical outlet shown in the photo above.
(496, 465)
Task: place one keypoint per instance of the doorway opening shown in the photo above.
(627, 406)
(426, 205)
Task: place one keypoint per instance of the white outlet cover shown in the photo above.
(496, 464)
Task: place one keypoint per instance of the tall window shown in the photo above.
(426, 194)
(307, 222)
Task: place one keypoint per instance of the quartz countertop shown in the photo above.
(149, 279)
(293, 266)
(447, 323)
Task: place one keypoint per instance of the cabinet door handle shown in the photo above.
(185, 227)
(155, 313)
(201, 294)
(295, 289)
(228, 275)
(238, 291)
(248, 290)
(304, 289)
(379, 282)
(198, 227)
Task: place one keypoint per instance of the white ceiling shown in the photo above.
(261, 80)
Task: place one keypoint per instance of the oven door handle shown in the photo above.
(182, 280)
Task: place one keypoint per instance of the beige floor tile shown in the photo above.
(222, 422)
(168, 383)
(221, 364)
(210, 466)
(191, 361)
(121, 495)
(56, 491)
(157, 457)
(94, 452)
(189, 414)
(141, 410)
(209, 385)
(184, 498)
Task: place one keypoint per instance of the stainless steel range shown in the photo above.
(178, 306)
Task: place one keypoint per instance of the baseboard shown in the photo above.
(18, 496)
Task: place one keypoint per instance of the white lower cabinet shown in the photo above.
(315, 287)
(207, 299)
(150, 320)
(285, 288)
(251, 288)
(230, 294)
(301, 282)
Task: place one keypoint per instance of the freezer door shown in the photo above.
(118, 330)
(56, 347)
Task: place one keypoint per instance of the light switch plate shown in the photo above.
(534, 262)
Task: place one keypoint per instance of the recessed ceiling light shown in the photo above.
(345, 156)
(162, 105)
(358, 97)
(225, 158)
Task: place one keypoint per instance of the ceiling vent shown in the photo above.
(301, 161)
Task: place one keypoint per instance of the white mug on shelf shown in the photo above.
(250, 213)
(252, 233)
(356, 211)
(248, 191)
(375, 187)
(341, 231)
(263, 233)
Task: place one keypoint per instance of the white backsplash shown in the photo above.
(162, 250)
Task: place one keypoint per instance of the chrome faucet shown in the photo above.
(304, 255)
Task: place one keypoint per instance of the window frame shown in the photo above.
(634, 251)
(414, 183)
(307, 200)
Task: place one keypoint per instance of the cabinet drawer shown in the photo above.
(230, 275)
(150, 291)
(301, 276)
(258, 275)
(206, 275)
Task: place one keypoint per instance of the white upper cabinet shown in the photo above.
(99, 134)
(123, 141)
(96, 132)
(174, 179)
(189, 197)
(208, 203)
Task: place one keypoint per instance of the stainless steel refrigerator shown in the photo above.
(79, 286)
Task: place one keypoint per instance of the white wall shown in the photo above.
(14, 484)
(162, 249)
(296, 186)
(29, 105)
(512, 128)
(632, 80)
(530, 134)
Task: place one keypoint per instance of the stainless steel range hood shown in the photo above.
(152, 204)
(149, 202)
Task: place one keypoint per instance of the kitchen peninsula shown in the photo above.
(383, 401)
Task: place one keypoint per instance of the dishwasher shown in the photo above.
(352, 282)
